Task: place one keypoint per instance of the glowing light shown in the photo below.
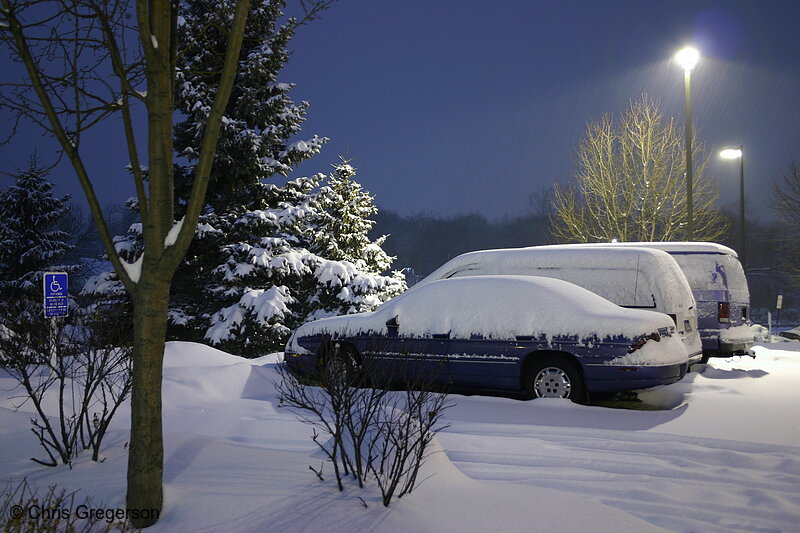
(687, 57)
(730, 153)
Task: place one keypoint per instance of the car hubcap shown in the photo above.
(552, 382)
(337, 370)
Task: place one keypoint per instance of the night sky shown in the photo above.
(457, 106)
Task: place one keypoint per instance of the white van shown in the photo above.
(638, 278)
(720, 289)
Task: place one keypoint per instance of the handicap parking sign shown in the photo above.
(56, 301)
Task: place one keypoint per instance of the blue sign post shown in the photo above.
(56, 301)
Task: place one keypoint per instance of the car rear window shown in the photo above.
(714, 272)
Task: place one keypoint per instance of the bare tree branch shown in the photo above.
(786, 193)
(69, 50)
(55, 125)
(629, 183)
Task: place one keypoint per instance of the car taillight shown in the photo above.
(641, 341)
(674, 318)
(724, 312)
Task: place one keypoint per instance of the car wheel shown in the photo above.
(340, 365)
(554, 377)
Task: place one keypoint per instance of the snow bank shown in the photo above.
(188, 368)
(234, 461)
(179, 354)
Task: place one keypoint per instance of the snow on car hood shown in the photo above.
(498, 307)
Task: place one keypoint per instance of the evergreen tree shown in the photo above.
(342, 227)
(257, 141)
(253, 272)
(260, 277)
(261, 119)
(29, 244)
(345, 211)
(245, 268)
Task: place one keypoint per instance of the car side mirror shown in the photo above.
(392, 326)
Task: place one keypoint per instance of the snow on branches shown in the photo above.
(254, 274)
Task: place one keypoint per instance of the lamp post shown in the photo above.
(687, 58)
(737, 152)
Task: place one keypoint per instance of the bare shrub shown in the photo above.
(405, 427)
(364, 429)
(82, 366)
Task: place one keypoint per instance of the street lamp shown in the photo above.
(687, 58)
(736, 152)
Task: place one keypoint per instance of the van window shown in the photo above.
(714, 272)
(626, 287)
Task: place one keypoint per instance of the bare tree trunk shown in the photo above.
(96, 28)
(146, 455)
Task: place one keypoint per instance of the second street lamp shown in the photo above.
(737, 152)
(687, 58)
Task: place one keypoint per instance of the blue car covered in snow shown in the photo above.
(542, 336)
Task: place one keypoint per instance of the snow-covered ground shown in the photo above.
(718, 451)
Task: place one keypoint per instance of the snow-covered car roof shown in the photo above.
(701, 262)
(672, 247)
(627, 276)
(499, 307)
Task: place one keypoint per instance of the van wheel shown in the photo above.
(551, 376)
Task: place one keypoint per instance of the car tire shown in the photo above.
(552, 376)
(340, 364)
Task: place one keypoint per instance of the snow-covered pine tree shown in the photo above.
(250, 275)
(261, 120)
(255, 142)
(248, 269)
(29, 242)
(269, 279)
(342, 226)
(345, 211)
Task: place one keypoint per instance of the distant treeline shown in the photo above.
(423, 242)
